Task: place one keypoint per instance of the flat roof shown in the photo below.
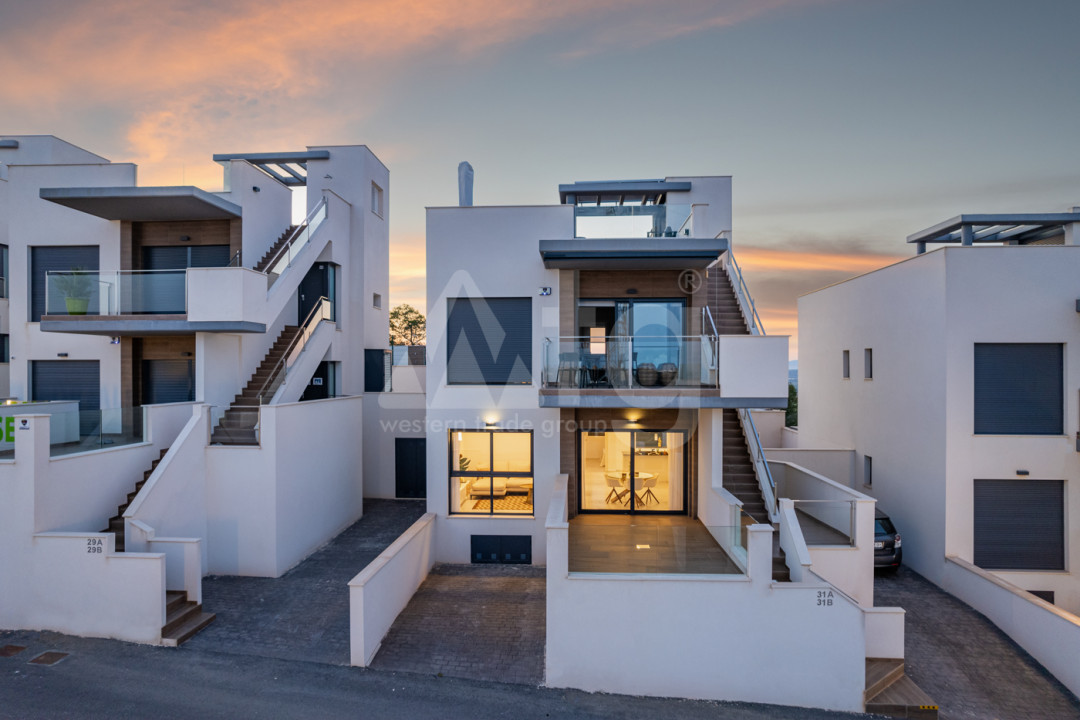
(145, 204)
(620, 191)
(677, 253)
(288, 168)
(1022, 229)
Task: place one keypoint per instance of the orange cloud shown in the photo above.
(183, 76)
(759, 259)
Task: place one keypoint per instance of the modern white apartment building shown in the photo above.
(953, 376)
(163, 338)
(591, 365)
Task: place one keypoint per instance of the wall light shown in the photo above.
(1022, 473)
(61, 354)
(185, 238)
(114, 341)
(491, 422)
(255, 188)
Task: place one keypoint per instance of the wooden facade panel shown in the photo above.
(164, 234)
(607, 284)
(167, 347)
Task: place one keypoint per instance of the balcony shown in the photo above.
(665, 371)
(140, 302)
(633, 237)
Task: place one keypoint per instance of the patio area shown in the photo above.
(646, 544)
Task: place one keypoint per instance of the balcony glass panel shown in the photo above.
(632, 221)
(131, 292)
(645, 362)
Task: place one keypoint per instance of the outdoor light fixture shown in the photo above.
(255, 188)
(185, 238)
(490, 423)
(545, 291)
(61, 354)
(643, 547)
(114, 341)
(1022, 473)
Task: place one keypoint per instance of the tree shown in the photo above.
(407, 326)
(791, 419)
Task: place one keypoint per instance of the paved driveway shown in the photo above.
(968, 666)
(481, 622)
(304, 614)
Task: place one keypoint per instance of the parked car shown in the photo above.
(887, 550)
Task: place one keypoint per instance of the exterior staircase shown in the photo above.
(892, 693)
(183, 618)
(724, 306)
(741, 481)
(116, 522)
(237, 425)
(264, 263)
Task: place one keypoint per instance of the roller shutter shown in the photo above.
(59, 258)
(1019, 389)
(70, 380)
(1020, 524)
(166, 381)
(489, 341)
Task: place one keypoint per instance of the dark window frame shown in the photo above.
(455, 474)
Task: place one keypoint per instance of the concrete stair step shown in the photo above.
(191, 625)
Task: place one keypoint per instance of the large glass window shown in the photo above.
(489, 341)
(63, 259)
(491, 472)
(633, 471)
(1019, 389)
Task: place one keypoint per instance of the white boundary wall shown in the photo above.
(379, 593)
(1050, 634)
(734, 637)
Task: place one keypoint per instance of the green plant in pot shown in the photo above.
(75, 286)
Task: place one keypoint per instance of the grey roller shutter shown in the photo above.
(1020, 524)
(70, 380)
(59, 258)
(166, 381)
(489, 341)
(209, 256)
(1019, 389)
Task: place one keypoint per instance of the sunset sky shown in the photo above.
(847, 124)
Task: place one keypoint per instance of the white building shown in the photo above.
(590, 369)
(953, 378)
(168, 335)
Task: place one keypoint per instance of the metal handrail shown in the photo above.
(297, 233)
(759, 455)
(295, 346)
(707, 313)
(685, 223)
(744, 293)
(235, 260)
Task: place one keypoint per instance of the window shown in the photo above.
(1019, 389)
(491, 472)
(376, 301)
(868, 363)
(63, 259)
(3, 271)
(5, 349)
(489, 341)
(847, 364)
(1019, 524)
(376, 200)
(868, 470)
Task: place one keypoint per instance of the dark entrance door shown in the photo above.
(318, 283)
(410, 467)
(321, 385)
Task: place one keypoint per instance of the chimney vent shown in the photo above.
(465, 183)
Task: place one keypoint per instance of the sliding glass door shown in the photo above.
(633, 471)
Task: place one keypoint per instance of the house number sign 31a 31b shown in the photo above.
(824, 598)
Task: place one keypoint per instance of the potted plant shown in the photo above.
(75, 286)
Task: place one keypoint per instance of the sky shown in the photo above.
(846, 124)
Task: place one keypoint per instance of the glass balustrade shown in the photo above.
(630, 362)
(826, 522)
(127, 292)
(632, 221)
